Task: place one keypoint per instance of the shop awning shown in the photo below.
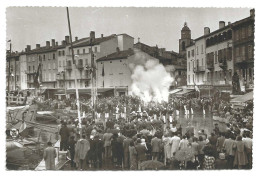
(243, 98)
(184, 92)
(175, 91)
(88, 90)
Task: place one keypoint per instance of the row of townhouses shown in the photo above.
(213, 59)
(207, 62)
(112, 55)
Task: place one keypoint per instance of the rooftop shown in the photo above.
(96, 41)
(117, 55)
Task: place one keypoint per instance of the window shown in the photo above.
(240, 51)
(110, 61)
(237, 35)
(189, 66)
(202, 48)
(237, 52)
(59, 53)
(49, 66)
(250, 30)
(54, 65)
(192, 53)
(243, 33)
(86, 61)
(202, 62)
(197, 50)
(243, 51)
(188, 54)
(216, 57)
(183, 47)
(64, 63)
(188, 78)
(33, 68)
(53, 56)
(78, 51)
(59, 63)
(89, 50)
(63, 53)
(96, 49)
(250, 52)
(69, 84)
(43, 57)
(84, 51)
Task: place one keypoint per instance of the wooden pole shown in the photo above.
(75, 72)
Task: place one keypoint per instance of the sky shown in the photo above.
(154, 26)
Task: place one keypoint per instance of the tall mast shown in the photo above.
(75, 72)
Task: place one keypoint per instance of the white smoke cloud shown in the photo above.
(150, 80)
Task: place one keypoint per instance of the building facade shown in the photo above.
(23, 69)
(114, 72)
(219, 58)
(213, 58)
(243, 50)
(12, 71)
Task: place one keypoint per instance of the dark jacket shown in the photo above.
(98, 146)
(141, 150)
(64, 133)
(156, 144)
(71, 145)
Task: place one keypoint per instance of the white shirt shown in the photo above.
(248, 142)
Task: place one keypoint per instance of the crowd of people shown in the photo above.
(126, 147)
(153, 133)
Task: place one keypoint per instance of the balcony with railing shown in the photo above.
(210, 65)
(223, 63)
(69, 67)
(199, 69)
(80, 66)
(30, 72)
(84, 77)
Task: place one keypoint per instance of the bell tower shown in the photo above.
(185, 39)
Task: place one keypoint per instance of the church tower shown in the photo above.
(185, 39)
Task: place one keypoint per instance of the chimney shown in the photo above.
(221, 24)
(63, 42)
(67, 39)
(28, 48)
(53, 42)
(117, 50)
(92, 36)
(57, 43)
(102, 35)
(252, 12)
(47, 43)
(76, 38)
(38, 46)
(206, 30)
